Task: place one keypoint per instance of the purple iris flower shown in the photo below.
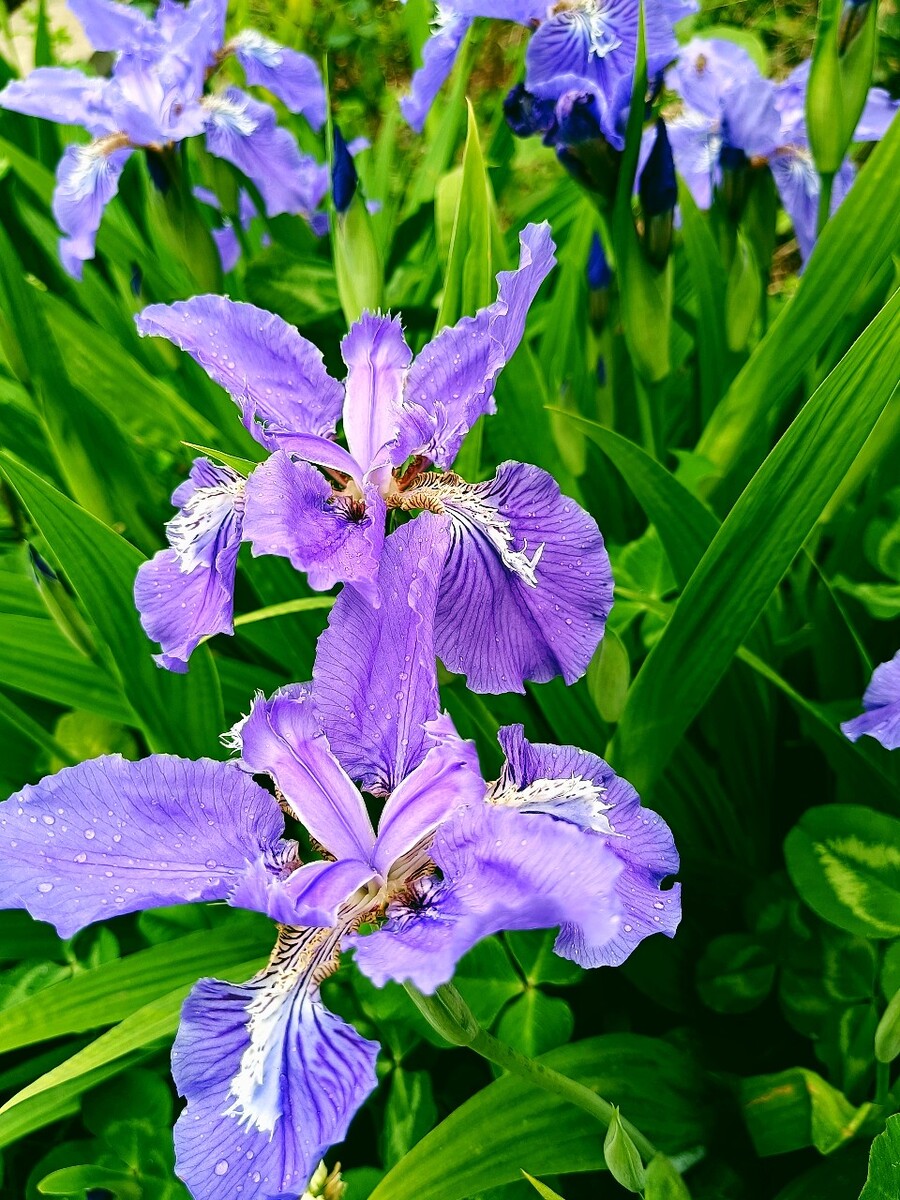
(271, 1077)
(227, 241)
(881, 701)
(526, 586)
(731, 113)
(579, 48)
(792, 165)
(155, 99)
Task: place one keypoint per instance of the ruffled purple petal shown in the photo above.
(87, 178)
(500, 870)
(451, 383)
(571, 785)
(708, 68)
(186, 593)
(294, 512)
(881, 700)
(272, 1078)
(439, 786)
(153, 99)
(110, 836)
(527, 585)
(111, 26)
(283, 737)
(294, 78)
(193, 34)
(377, 359)
(312, 894)
(276, 377)
(438, 57)
(63, 95)
(375, 678)
(245, 132)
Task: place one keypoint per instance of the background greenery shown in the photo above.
(757, 562)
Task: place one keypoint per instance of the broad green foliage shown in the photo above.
(732, 424)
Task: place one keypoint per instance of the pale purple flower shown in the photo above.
(881, 701)
(224, 235)
(526, 585)
(155, 98)
(271, 1077)
(580, 47)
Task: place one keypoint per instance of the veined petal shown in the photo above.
(60, 94)
(186, 593)
(439, 786)
(438, 57)
(707, 69)
(499, 870)
(876, 117)
(276, 377)
(293, 511)
(283, 737)
(111, 26)
(245, 133)
(696, 144)
(193, 33)
(527, 585)
(87, 178)
(798, 186)
(377, 359)
(451, 383)
(294, 78)
(110, 836)
(881, 701)
(580, 788)
(312, 894)
(153, 98)
(375, 676)
(272, 1078)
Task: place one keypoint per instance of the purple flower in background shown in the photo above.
(526, 586)
(732, 117)
(271, 1077)
(155, 99)
(226, 239)
(881, 701)
(579, 48)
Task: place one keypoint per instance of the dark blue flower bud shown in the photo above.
(344, 179)
(658, 192)
(599, 278)
(734, 171)
(526, 115)
(577, 119)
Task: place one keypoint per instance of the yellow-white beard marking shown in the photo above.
(302, 958)
(548, 795)
(230, 113)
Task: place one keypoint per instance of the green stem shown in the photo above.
(449, 1014)
(826, 183)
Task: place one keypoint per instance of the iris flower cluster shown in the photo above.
(733, 118)
(158, 95)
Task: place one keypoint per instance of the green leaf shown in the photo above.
(662, 1181)
(535, 1023)
(522, 1128)
(887, 1035)
(78, 1181)
(708, 280)
(795, 1109)
(113, 991)
(622, 1157)
(541, 1188)
(183, 713)
(883, 1181)
(533, 951)
(753, 549)
(845, 863)
(409, 1114)
(735, 974)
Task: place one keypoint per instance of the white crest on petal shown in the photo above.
(196, 524)
(572, 798)
(263, 49)
(230, 114)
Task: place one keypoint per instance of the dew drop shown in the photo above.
(221, 1167)
(89, 833)
(45, 888)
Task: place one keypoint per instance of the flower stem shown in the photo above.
(826, 183)
(449, 1014)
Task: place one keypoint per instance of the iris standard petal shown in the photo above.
(798, 186)
(283, 737)
(294, 78)
(153, 99)
(527, 585)
(375, 677)
(272, 1078)
(186, 593)
(377, 359)
(293, 511)
(696, 144)
(276, 377)
(876, 117)
(110, 836)
(572, 785)
(311, 894)
(499, 870)
(707, 68)
(246, 133)
(87, 178)
(60, 94)
(451, 382)
(438, 56)
(111, 26)
(881, 700)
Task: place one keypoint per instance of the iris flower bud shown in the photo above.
(599, 277)
(853, 17)
(658, 192)
(344, 179)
